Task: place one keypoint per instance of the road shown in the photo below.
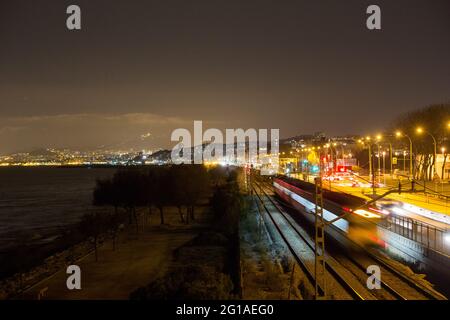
(421, 207)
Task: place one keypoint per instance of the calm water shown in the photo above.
(36, 201)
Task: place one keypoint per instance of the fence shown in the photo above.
(427, 235)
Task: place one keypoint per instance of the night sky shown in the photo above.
(140, 67)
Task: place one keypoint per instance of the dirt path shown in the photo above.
(136, 262)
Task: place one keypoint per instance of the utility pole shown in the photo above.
(390, 158)
(370, 161)
(371, 168)
(379, 163)
(319, 248)
(404, 161)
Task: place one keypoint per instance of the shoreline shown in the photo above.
(30, 254)
(38, 262)
(76, 166)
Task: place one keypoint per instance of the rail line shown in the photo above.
(395, 285)
(310, 275)
(391, 291)
(393, 273)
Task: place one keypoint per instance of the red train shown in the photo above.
(359, 225)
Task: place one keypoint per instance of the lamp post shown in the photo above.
(420, 131)
(404, 161)
(371, 176)
(390, 158)
(399, 134)
(336, 157)
(370, 155)
(379, 157)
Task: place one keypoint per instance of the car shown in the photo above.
(356, 184)
(388, 204)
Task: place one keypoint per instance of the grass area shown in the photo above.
(268, 270)
(137, 259)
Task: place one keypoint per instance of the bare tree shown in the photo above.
(93, 225)
(433, 119)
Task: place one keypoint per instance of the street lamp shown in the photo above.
(419, 130)
(379, 138)
(370, 155)
(343, 153)
(444, 155)
(379, 156)
(390, 158)
(404, 160)
(399, 134)
(371, 175)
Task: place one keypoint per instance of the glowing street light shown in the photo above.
(420, 130)
(370, 156)
(378, 137)
(399, 134)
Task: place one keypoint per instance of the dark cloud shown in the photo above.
(88, 131)
(300, 66)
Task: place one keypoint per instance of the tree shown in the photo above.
(130, 186)
(226, 206)
(150, 188)
(195, 187)
(434, 119)
(113, 222)
(162, 191)
(106, 193)
(445, 154)
(217, 175)
(92, 225)
(178, 179)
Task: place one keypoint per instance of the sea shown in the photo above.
(38, 202)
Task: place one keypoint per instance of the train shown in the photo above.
(359, 224)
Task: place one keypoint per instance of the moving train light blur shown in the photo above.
(359, 225)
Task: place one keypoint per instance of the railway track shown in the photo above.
(394, 285)
(307, 268)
